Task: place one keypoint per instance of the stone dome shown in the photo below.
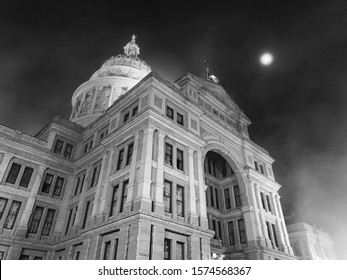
(116, 76)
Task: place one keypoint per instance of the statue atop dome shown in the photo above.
(132, 49)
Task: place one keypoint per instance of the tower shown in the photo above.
(144, 169)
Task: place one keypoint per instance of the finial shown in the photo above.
(132, 49)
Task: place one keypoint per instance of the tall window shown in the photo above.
(180, 200)
(68, 150)
(275, 234)
(237, 196)
(124, 196)
(79, 183)
(24, 181)
(268, 203)
(63, 148)
(231, 233)
(86, 214)
(107, 250)
(167, 196)
(3, 203)
(120, 159)
(113, 207)
(168, 154)
(262, 200)
(167, 249)
(95, 174)
(212, 199)
(217, 197)
(126, 117)
(179, 159)
(58, 147)
(13, 174)
(58, 186)
(227, 198)
(242, 230)
(12, 215)
(130, 153)
(36, 219)
(47, 225)
(47, 183)
(179, 250)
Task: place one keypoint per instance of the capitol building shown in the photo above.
(144, 169)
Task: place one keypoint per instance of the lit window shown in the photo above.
(124, 196)
(180, 200)
(167, 196)
(168, 154)
(12, 215)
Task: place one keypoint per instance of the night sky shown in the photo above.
(297, 105)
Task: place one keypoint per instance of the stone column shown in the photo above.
(4, 164)
(263, 222)
(202, 196)
(143, 199)
(257, 211)
(278, 224)
(192, 215)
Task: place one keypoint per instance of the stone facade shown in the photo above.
(310, 243)
(162, 171)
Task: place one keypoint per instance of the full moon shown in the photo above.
(266, 59)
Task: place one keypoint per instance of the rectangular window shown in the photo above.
(268, 203)
(212, 199)
(95, 175)
(227, 198)
(130, 153)
(77, 255)
(179, 251)
(68, 222)
(135, 111)
(3, 204)
(120, 159)
(107, 250)
(58, 147)
(169, 112)
(24, 181)
(36, 219)
(24, 257)
(113, 207)
(167, 249)
(47, 225)
(79, 184)
(12, 215)
(86, 214)
(261, 169)
(275, 234)
(231, 233)
(115, 249)
(217, 197)
(242, 231)
(180, 200)
(68, 150)
(2, 255)
(262, 200)
(124, 196)
(179, 159)
(13, 174)
(47, 183)
(168, 154)
(58, 186)
(180, 119)
(126, 117)
(167, 196)
(220, 230)
(237, 196)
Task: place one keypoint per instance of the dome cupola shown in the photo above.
(116, 76)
